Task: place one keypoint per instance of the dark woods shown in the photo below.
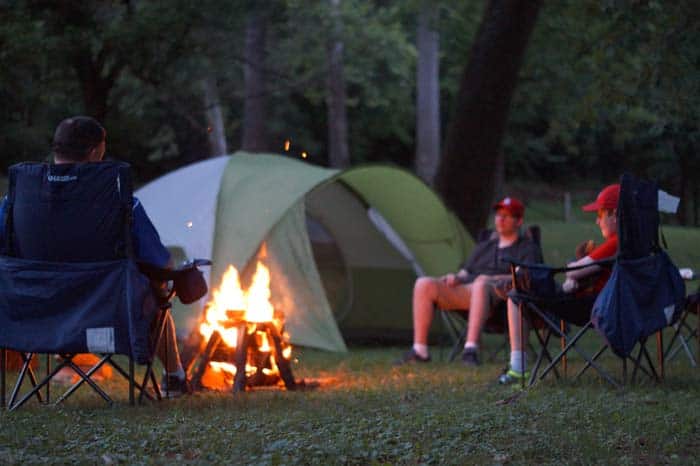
(560, 94)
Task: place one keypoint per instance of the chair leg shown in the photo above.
(3, 368)
(683, 340)
(562, 342)
(572, 344)
(638, 363)
(48, 383)
(13, 403)
(682, 325)
(660, 353)
(148, 376)
(588, 364)
(131, 381)
(453, 333)
(167, 355)
(85, 377)
(697, 331)
(522, 344)
(544, 352)
(25, 371)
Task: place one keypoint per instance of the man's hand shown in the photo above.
(570, 285)
(450, 279)
(584, 249)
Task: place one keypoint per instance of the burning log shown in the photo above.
(212, 345)
(282, 362)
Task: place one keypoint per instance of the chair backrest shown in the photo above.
(637, 218)
(69, 212)
(645, 292)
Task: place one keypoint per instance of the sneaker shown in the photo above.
(172, 386)
(411, 357)
(512, 377)
(470, 357)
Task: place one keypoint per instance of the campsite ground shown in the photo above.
(368, 412)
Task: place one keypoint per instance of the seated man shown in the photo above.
(477, 287)
(82, 139)
(581, 286)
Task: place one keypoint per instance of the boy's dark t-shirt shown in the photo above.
(487, 257)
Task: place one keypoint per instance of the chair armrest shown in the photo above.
(188, 281)
(515, 263)
(165, 275)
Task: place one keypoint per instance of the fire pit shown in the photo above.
(243, 342)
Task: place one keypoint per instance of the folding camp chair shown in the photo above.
(560, 314)
(643, 295)
(684, 332)
(456, 321)
(69, 283)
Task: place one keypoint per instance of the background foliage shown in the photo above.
(606, 86)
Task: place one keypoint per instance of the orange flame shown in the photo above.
(252, 306)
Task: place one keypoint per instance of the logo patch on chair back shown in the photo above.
(61, 178)
(100, 340)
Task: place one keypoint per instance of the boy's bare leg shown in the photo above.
(518, 333)
(427, 293)
(484, 297)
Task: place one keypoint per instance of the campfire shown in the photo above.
(243, 339)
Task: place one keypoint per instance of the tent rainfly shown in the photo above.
(343, 247)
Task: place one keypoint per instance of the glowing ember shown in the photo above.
(287, 143)
(304, 155)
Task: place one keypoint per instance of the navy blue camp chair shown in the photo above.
(69, 283)
(644, 294)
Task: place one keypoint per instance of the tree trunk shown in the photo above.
(427, 95)
(338, 153)
(96, 82)
(254, 106)
(215, 121)
(467, 173)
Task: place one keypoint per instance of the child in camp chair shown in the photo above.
(478, 286)
(581, 285)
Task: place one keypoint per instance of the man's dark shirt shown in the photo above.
(487, 257)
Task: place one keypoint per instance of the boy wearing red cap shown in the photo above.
(477, 287)
(582, 285)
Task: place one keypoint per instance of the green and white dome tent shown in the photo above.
(343, 247)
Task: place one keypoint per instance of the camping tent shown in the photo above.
(343, 247)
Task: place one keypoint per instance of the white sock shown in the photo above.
(421, 350)
(179, 373)
(518, 361)
(471, 345)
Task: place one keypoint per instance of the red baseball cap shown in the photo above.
(512, 205)
(607, 199)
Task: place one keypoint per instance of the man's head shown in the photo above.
(606, 207)
(79, 139)
(508, 216)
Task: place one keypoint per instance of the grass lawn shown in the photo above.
(368, 412)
